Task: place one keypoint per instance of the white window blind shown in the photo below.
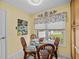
(57, 21)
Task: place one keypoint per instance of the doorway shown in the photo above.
(2, 34)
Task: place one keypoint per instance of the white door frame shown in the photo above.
(4, 37)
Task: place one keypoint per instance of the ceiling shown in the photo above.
(46, 4)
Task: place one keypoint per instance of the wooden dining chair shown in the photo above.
(27, 53)
(56, 43)
(45, 51)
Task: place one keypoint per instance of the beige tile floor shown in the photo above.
(53, 58)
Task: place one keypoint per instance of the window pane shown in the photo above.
(60, 34)
(41, 34)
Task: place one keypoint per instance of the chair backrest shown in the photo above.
(56, 42)
(23, 42)
(33, 36)
(44, 51)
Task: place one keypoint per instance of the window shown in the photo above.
(52, 27)
(58, 33)
(42, 34)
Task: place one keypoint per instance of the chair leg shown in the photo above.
(56, 55)
(25, 55)
(35, 56)
(50, 57)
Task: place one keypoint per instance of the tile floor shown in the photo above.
(53, 58)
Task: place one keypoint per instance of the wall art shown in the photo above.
(22, 27)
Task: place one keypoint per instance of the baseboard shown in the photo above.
(17, 55)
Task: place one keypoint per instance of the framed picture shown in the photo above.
(22, 27)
